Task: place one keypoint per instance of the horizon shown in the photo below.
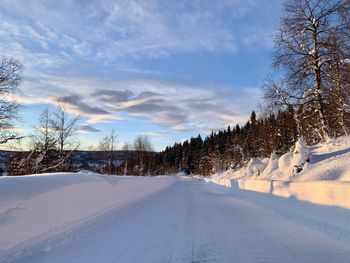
(132, 67)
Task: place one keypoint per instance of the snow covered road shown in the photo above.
(192, 221)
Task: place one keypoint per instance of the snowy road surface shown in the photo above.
(192, 221)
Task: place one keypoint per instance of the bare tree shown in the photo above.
(65, 128)
(304, 50)
(10, 79)
(46, 155)
(45, 139)
(127, 147)
(142, 144)
(108, 145)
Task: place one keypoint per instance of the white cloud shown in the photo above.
(110, 29)
(153, 133)
(175, 106)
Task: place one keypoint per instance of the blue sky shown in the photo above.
(163, 68)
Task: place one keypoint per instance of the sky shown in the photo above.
(168, 69)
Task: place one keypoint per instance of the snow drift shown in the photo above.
(35, 207)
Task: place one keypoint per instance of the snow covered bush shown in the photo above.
(255, 167)
(301, 156)
(272, 165)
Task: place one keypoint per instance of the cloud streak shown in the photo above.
(87, 128)
(175, 106)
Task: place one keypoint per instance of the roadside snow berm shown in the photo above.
(319, 174)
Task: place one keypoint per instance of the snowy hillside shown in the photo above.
(325, 161)
(39, 206)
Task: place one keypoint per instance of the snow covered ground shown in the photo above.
(326, 161)
(164, 219)
(33, 208)
(319, 174)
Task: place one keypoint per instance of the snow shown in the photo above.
(35, 207)
(255, 167)
(300, 215)
(319, 174)
(272, 165)
(325, 161)
(191, 221)
(301, 156)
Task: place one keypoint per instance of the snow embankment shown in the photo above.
(333, 193)
(319, 174)
(35, 207)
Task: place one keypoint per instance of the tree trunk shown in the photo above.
(319, 88)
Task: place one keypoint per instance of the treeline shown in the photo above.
(230, 148)
(234, 147)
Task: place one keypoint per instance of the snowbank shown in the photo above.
(327, 161)
(35, 207)
(333, 193)
(319, 174)
(319, 192)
